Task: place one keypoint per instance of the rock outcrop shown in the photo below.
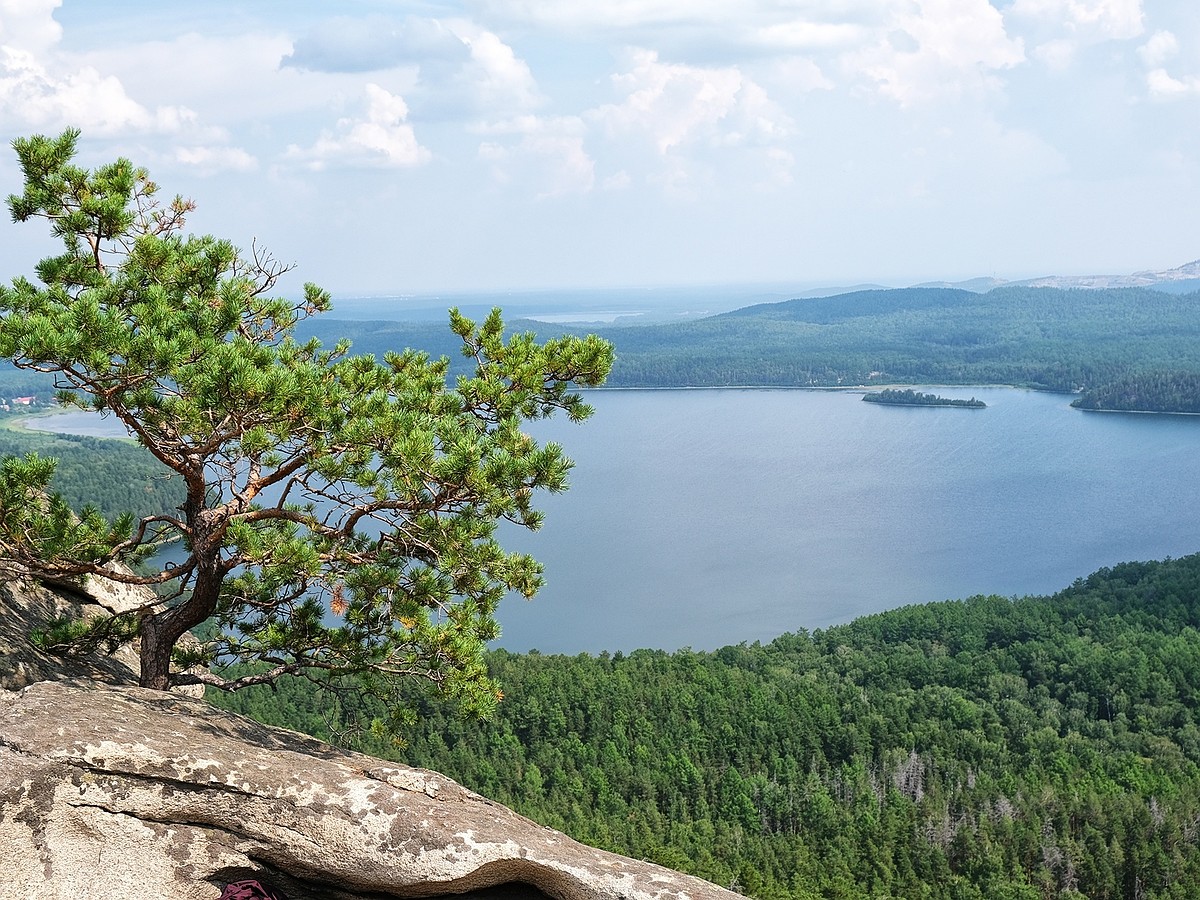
(28, 605)
(110, 791)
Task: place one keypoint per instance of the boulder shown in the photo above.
(110, 791)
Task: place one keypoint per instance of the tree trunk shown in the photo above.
(155, 654)
(161, 631)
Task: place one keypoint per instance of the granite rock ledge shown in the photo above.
(109, 791)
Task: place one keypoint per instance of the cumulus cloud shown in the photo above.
(29, 24)
(936, 48)
(1164, 86)
(45, 97)
(671, 105)
(31, 94)
(381, 137)
(502, 80)
(1104, 19)
(547, 150)
(462, 69)
(1161, 46)
(670, 119)
(44, 88)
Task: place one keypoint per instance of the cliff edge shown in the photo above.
(106, 790)
(109, 790)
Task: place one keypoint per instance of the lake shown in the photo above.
(703, 518)
(708, 517)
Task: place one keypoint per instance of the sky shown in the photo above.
(491, 145)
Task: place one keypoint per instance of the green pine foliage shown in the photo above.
(983, 748)
(339, 511)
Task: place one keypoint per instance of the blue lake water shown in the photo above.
(709, 517)
(703, 518)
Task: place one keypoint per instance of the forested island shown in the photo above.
(982, 748)
(909, 397)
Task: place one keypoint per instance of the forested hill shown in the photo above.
(1070, 340)
(856, 305)
(983, 748)
(1037, 337)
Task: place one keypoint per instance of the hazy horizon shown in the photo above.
(487, 145)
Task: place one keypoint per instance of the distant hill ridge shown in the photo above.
(1181, 279)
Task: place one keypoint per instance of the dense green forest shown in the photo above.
(1035, 337)
(114, 475)
(909, 397)
(1046, 338)
(983, 748)
(1172, 392)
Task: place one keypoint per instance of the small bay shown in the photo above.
(707, 517)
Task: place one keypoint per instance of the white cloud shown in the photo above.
(1104, 19)
(462, 69)
(1165, 86)
(1162, 85)
(672, 105)
(549, 153)
(501, 80)
(29, 24)
(45, 88)
(210, 160)
(43, 96)
(83, 98)
(937, 48)
(382, 137)
(1161, 46)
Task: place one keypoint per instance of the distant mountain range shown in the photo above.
(1180, 280)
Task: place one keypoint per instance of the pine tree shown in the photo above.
(340, 511)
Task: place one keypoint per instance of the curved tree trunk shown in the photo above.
(161, 631)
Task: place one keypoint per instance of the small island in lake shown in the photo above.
(910, 397)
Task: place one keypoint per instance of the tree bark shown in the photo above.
(161, 631)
